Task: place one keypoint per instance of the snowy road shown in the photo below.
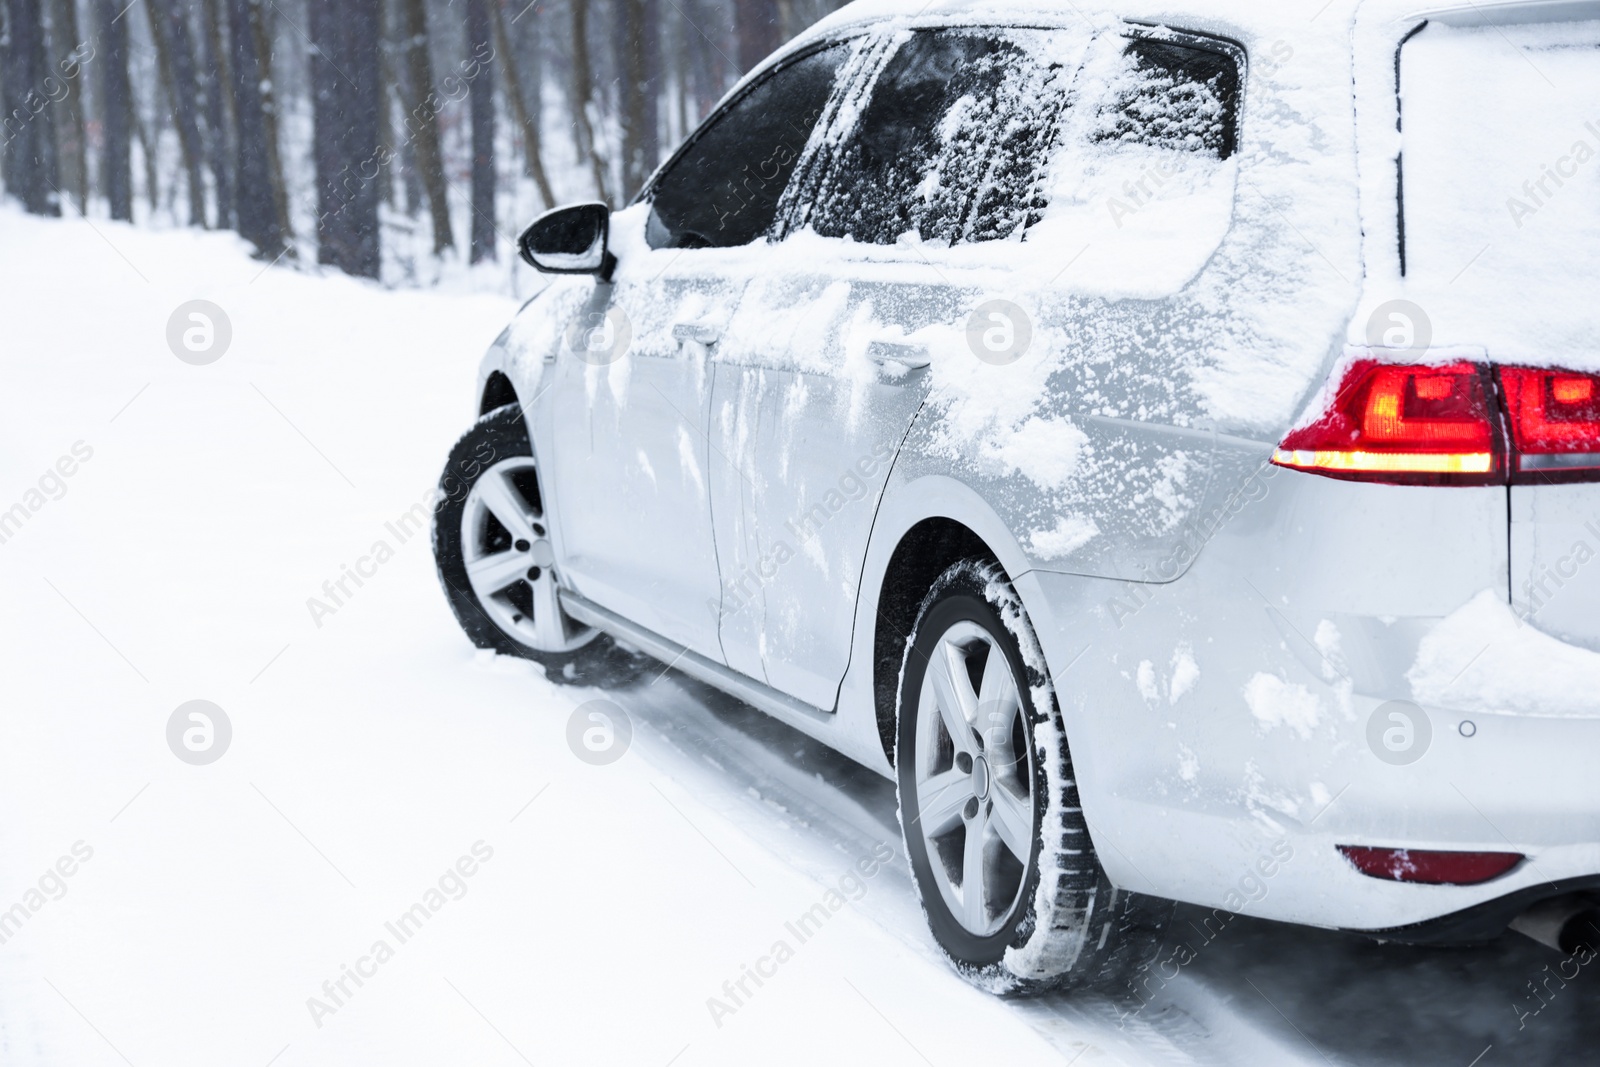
(572, 914)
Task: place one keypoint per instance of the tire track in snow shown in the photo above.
(817, 811)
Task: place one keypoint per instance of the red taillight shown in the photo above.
(1568, 390)
(1555, 421)
(1427, 867)
(1403, 424)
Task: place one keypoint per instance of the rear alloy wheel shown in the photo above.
(974, 779)
(989, 809)
(491, 543)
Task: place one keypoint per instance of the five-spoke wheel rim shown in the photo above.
(505, 545)
(974, 778)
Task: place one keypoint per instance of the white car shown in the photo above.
(1173, 465)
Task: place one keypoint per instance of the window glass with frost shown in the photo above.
(950, 144)
(1143, 182)
(1120, 147)
(1500, 153)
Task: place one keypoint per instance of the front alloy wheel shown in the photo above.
(509, 560)
(491, 543)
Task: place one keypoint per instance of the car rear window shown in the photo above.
(1500, 187)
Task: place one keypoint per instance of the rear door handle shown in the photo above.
(705, 333)
(911, 357)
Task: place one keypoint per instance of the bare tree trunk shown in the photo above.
(255, 197)
(175, 56)
(650, 135)
(116, 110)
(262, 32)
(366, 154)
(404, 182)
(148, 126)
(519, 108)
(582, 79)
(755, 24)
(680, 71)
(638, 63)
(71, 145)
(707, 65)
(29, 128)
(327, 127)
(345, 89)
(385, 117)
(410, 169)
(422, 119)
(219, 110)
(480, 98)
(147, 149)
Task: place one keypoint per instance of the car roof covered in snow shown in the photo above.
(1230, 18)
(1246, 21)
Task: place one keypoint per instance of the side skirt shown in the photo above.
(802, 716)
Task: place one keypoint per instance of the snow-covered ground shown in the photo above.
(375, 758)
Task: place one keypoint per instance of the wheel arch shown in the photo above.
(496, 391)
(924, 525)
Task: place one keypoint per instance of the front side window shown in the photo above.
(723, 190)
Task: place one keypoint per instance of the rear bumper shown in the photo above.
(1220, 729)
(1483, 922)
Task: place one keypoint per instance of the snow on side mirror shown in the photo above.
(570, 240)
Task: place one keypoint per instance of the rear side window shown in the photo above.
(976, 135)
(949, 145)
(723, 189)
(1172, 96)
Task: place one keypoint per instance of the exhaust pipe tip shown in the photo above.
(1582, 931)
(1568, 924)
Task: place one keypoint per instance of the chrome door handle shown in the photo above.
(702, 332)
(911, 357)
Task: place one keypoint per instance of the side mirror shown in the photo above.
(570, 240)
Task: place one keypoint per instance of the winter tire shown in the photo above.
(989, 810)
(491, 543)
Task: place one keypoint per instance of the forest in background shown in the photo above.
(383, 138)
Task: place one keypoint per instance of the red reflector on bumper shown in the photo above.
(1430, 868)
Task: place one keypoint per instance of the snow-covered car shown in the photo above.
(1175, 467)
